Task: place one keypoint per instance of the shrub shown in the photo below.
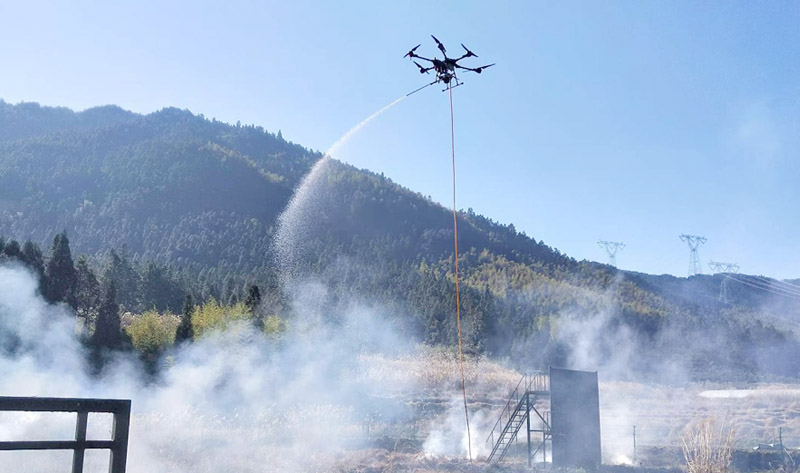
(707, 447)
(152, 332)
(212, 316)
(274, 325)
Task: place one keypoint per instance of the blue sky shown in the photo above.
(630, 121)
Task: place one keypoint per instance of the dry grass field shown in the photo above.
(414, 423)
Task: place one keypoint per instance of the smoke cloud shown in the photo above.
(232, 401)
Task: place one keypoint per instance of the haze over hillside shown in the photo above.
(202, 198)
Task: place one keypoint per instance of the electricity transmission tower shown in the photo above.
(611, 247)
(694, 261)
(718, 267)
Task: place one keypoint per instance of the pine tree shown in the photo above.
(479, 320)
(160, 290)
(88, 291)
(253, 298)
(185, 330)
(12, 250)
(32, 256)
(127, 280)
(108, 331)
(60, 276)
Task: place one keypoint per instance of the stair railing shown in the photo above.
(520, 390)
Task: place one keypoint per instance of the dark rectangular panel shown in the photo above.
(575, 418)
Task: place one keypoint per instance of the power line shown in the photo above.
(766, 289)
(694, 260)
(746, 283)
(611, 247)
(772, 287)
(778, 282)
(779, 290)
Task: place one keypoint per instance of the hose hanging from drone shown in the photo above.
(445, 70)
(458, 294)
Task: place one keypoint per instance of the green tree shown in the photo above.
(107, 331)
(159, 289)
(273, 325)
(127, 282)
(60, 276)
(151, 333)
(185, 330)
(253, 299)
(212, 316)
(12, 250)
(88, 293)
(32, 256)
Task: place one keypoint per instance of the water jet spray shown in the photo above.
(293, 223)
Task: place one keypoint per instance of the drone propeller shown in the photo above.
(439, 43)
(469, 53)
(480, 69)
(411, 53)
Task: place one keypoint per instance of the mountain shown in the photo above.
(203, 198)
(178, 188)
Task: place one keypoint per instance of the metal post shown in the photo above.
(119, 435)
(80, 437)
(544, 445)
(545, 426)
(528, 418)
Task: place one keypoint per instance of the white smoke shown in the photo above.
(232, 401)
(42, 337)
(449, 437)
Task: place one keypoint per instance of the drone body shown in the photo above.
(445, 69)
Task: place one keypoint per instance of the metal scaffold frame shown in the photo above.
(516, 413)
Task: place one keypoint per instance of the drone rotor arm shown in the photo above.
(480, 69)
(439, 44)
(411, 53)
(423, 70)
(421, 58)
(468, 52)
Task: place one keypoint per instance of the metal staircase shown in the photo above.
(516, 413)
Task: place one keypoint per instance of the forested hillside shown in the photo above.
(173, 204)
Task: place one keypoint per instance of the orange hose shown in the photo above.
(458, 295)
